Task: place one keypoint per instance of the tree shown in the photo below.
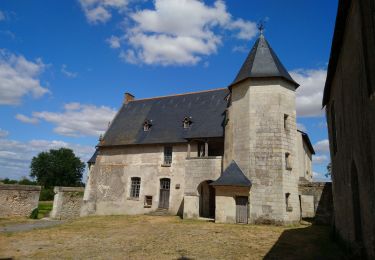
(329, 170)
(57, 168)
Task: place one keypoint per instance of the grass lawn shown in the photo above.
(150, 237)
(44, 208)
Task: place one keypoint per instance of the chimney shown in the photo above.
(128, 97)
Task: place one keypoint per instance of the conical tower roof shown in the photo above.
(262, 62)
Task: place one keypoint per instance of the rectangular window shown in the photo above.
(148, 201)
(286, 122)
(168, 155)
(288, 163)
(135, 187)
(288, 207)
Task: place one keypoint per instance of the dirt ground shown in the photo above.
(151, 237)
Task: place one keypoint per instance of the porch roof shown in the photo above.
(232, 176)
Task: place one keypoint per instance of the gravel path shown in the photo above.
(43, 223)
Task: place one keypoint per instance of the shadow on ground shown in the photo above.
(310, 242)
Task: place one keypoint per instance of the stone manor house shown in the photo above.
(232, 154)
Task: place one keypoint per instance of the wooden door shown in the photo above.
(164, 193)
(241, 209)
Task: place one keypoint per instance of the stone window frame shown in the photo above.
(288, 161)
(286, 122)
(168, 156)
(148, 201)
(135, 187)
(288, 208)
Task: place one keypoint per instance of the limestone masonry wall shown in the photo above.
(67, 202)
(18, 200)
(317, 196)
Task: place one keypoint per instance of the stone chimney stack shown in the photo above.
(128, 97)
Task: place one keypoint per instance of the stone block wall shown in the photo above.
(322, 201)
(67, 202)
(18, 200)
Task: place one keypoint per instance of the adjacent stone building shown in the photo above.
(349, 99)
(231, 154)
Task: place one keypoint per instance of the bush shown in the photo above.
(34, 213)
(46, 194)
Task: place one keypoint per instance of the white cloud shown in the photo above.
(3, 133)
(15, 156)
(68, 73)
(317, 176)
(322, 146)
(19, 77)
(181, 32)
(78, 120)
(26, 119)
(309, 95)
(240, 48)
(320, 159)
(114, 42)
(99, 11)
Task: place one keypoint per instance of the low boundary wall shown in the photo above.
(18, 200)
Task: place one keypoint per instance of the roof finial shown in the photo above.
(261, 25)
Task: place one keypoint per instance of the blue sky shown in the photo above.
(64, 65)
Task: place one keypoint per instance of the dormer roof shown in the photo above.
(262, 62)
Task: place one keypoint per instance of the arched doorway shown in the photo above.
(356, 204)
(206, 200)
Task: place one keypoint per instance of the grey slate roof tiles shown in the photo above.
(206, 109)
(262, 62)
(232, 176)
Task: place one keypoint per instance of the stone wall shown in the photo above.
(67, 202)
(255, 137)
(108, 187)
(317, 202)
(352, 100)
(18, 200)
(198, 170)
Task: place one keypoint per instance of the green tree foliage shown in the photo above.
(329, 170)
(57, 168)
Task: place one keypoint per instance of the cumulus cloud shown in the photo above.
(15, 156)
(19, 77)
(99, 11)
(78, 119)
(317, 176)
(114, 42)
(26, 119)
(309, 95)
(67, 73)
(322, 146)
(181, 32)
(3, 133)
(320, 159)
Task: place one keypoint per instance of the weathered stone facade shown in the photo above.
(67, 202)
(349, 98)
(18, 200)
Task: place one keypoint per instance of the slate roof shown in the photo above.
(306, 139)
(232, 176)
(166, 114)
(262, 62)
(93, 157)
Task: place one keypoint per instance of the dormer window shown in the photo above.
(187, 121)
(147, 125)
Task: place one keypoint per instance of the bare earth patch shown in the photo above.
(150, 237)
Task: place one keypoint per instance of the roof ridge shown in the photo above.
(176, 95)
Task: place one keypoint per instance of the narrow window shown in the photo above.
(288, 207)
(135, 187)
(147, 125)
(333, 128)
(148, 201)
(187, 121)
(286, 122)
(167, 155)
(288, 164)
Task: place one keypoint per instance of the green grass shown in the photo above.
(44, 208)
